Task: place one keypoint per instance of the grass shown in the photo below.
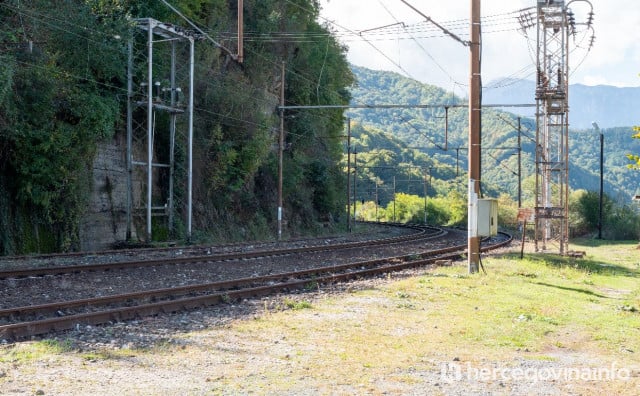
(26, 353)
(544, 308)
(296, 305)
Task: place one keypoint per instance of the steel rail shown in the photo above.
(147, 248)
(67, 269)
(217, 292)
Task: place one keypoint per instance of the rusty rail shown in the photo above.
(202, 295)
(66, 269)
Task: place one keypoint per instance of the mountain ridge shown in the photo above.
(608, 105)
(424, 129)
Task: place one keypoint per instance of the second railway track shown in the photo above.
(52, 268)
(23, 321)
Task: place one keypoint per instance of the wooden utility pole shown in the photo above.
(349, 174)
(280, 152)
(519, 163)
(473, 242)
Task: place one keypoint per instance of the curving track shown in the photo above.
(198, 254)
(306, 268)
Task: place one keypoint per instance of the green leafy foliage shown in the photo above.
(239, 135)
(62, 90)
(619, 221)
(635, 158)
(390, 142)
(55, 107)
(424, 129)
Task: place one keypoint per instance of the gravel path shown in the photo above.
(205, 352)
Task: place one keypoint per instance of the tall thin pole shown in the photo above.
(280, 152)
(519, 164)
(129, 139)
(394, 198)
(149, 126)
(355, 183)
(601, 185)
(172, 137)
(240, 58)
(473, 246)
(349, 174)
(190, 109)
(446, 128)
(377, 219)
(425, 197)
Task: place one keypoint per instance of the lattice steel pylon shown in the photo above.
(552, 132)
(160, 89)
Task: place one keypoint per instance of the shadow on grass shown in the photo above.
(592, 242)
(574, 289)
(586, 265)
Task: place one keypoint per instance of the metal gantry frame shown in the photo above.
(552, 136)
(147, 100)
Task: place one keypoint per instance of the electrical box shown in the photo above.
(487, 217)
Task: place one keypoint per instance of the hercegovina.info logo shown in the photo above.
(452, 372)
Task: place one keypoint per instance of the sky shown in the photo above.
(417, 49)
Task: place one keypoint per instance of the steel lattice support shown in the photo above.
(160, 95)
(552, 137)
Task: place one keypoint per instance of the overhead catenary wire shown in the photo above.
(221, 117)
(433, 59)
(116, 88)
(364, 39)
(193, 25)
(445, 30)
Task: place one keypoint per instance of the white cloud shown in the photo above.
(614, 60)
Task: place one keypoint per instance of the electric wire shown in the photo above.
(365, 40)
(62, 29)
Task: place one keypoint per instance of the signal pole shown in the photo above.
(473, 245)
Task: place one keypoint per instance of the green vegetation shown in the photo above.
(63, 90)
(385, 161)
(36, 351)
(401, 154)
(297, 305)
(56, 103)
(422, 130)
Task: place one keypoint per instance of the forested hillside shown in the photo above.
(424, 130)
(63, 93)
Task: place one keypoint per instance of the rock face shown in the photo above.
(105, 221)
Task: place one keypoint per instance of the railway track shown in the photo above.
(209, 257)
(25, 321)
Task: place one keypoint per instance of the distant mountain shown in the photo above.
(424, 130)
(607, 105)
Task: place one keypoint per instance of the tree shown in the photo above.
(58, 98)
(634, 157)
(63, 89)
(588, 207)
